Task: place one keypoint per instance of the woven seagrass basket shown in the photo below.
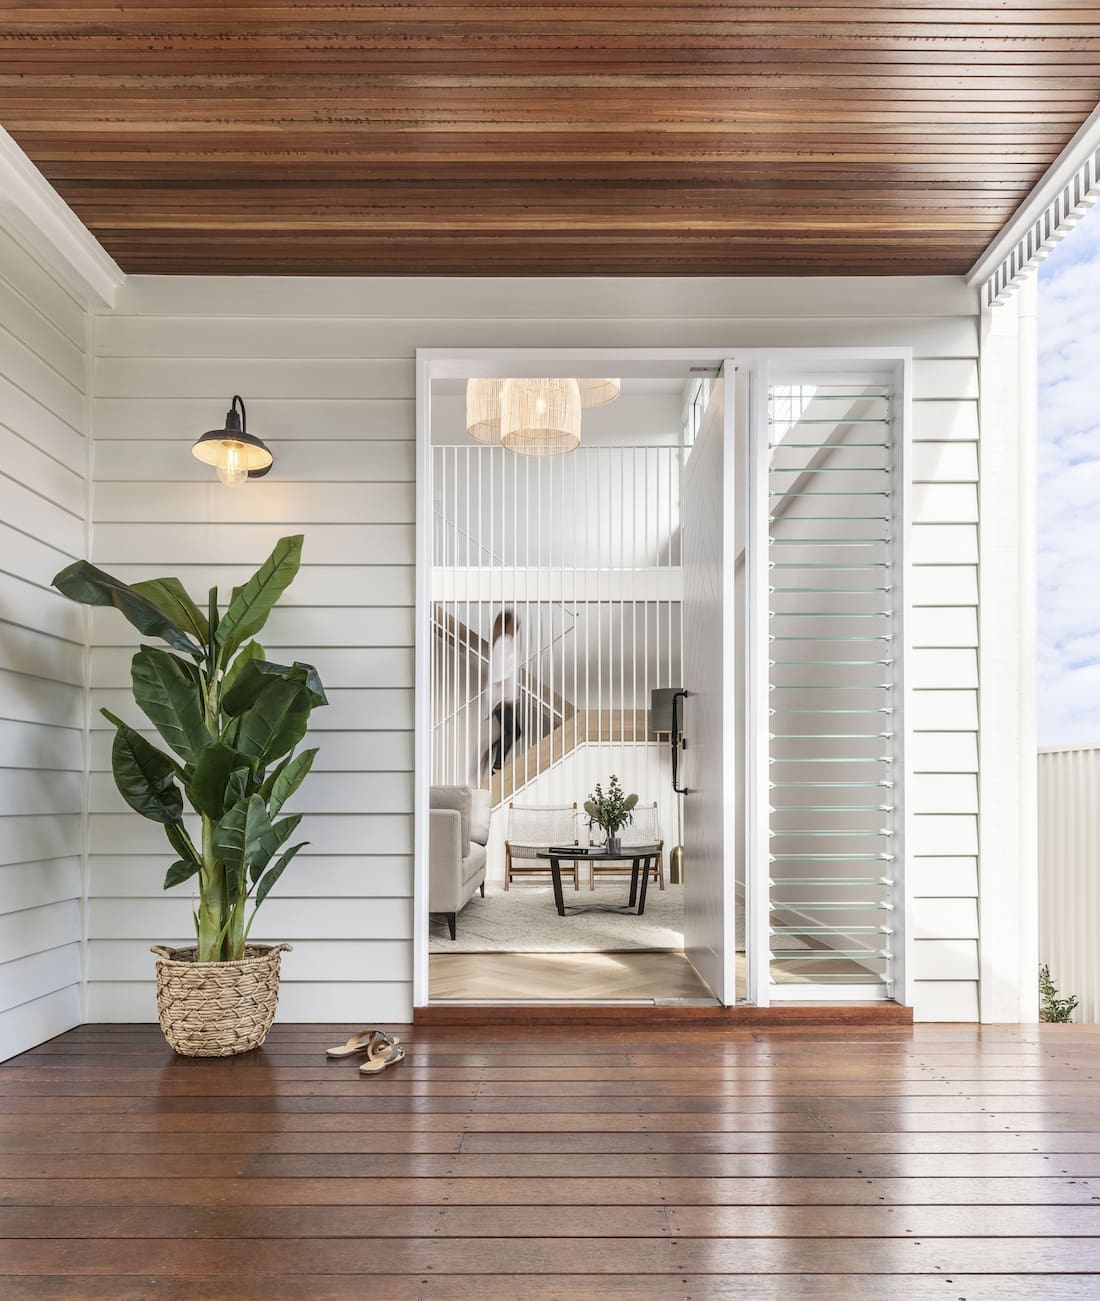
(216, 1009)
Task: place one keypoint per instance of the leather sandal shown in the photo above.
(359, 1043)
(383, 1051)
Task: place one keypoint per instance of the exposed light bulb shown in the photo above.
(232, 467)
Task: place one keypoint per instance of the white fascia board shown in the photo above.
(42, 218)
(1051, 209)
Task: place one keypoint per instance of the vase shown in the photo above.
(614, 845)
(217, 1009)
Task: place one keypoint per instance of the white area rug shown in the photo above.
(524, 920)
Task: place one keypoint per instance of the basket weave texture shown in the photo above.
(217, 1009)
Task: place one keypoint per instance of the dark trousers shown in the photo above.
(508, 732)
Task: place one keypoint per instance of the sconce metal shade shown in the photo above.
(233, 451)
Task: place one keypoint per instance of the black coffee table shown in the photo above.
(641, 857)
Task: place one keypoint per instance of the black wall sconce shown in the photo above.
(236, 454)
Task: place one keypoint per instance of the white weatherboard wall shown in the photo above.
(1069, 879)
(43, 509)
(327, 369)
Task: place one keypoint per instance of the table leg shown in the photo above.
(633, 883)
(646, 866)
(555, 872)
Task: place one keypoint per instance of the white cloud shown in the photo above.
(1069, 488)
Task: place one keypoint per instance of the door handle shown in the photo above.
(677, 742)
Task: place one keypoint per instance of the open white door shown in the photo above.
(708, 768)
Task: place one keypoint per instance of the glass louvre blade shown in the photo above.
(830, 898)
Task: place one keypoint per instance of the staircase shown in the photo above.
(552, 725)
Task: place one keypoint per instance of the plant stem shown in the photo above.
(212, 899)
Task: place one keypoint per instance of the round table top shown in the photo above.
(627, 852)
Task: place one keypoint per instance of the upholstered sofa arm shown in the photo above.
(445, 861)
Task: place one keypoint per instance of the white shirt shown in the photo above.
(502, 671)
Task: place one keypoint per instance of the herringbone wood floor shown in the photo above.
(940, 1161)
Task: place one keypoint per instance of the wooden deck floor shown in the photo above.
(812, 1163)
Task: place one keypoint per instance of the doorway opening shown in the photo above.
(700, 600)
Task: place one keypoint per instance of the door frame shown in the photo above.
(457, 363)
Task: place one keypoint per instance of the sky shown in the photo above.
(1069, 488)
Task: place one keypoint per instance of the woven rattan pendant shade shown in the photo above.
(599, 392)
(483, 409)
(541, 417)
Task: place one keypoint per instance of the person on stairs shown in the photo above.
(502, 690)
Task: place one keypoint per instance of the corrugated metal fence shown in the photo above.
(1069, 873)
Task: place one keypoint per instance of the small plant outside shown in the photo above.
(1051, 1007)
(233, 720)
(611, 811)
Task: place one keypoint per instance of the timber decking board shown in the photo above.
(541, 139)
(804, 1161)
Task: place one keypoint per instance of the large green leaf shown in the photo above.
(171, 599)
(281, 832)
(91, 586)
(209, 781)
(251, 604)
(180, 871)
(181, 843)
(145, 777)
(286, 779)
(251, 650)
(169, 693)
(239, 839)
(263, 889)
(243, 685)
(274, 723)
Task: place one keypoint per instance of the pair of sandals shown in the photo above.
(382, 1050)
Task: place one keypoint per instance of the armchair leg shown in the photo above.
(451, 924)
(483, 889)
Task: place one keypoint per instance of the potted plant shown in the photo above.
(612, 811)
(233, 719)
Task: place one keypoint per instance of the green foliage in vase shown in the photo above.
(1051, 1007)
(231, 720)
(612, 811)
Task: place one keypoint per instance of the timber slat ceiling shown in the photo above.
(528, 139)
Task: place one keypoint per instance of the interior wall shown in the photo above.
(327, 369)
(43, 512)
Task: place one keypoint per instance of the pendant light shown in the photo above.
(541, 417)
(599, 392)
(483, 399)
(236, 454)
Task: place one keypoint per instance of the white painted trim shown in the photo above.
(422, 712)
(1007, 831)
(1069, 749)
(1068, 186)
(905, 988)
(456, 363)
(41, 217)
(830, 994)
(758, 987)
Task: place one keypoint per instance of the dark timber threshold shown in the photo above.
(685, 1014)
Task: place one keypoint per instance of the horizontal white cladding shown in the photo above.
(519, 583)
(319, 876)
(348, 752)
(385, 918)
(314, 960)
(189, 543)
(339, 1001)
(945, 877)
(43, 523)
(326, 367)
(302, 459)
(344, 833)
(322, 792)
(36, 884)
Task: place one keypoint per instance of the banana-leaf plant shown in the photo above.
(232, 719)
